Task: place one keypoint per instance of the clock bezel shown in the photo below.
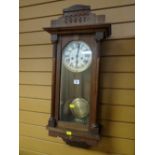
(77, 70)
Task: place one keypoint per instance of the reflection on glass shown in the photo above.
(75, 82)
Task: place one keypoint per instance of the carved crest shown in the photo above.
(78, 15)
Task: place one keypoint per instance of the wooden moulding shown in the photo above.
(77, 22)
(106, 28)
(79, 19)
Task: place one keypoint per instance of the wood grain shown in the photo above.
(109, 48)
(117, 82)
(34, 118)
(112, 113)
(110, 145)
(31, 91)
(113, 15)
(107, 80)
(45, 10)
(123, 30)
(38, 105)
(35, 78)
(117, 96)
(36, 51)
(116, 145)
(108, 64)
(35, 64)
(23, 3)
(117, 113)
(112, 129)
(118, 64)
(108, 96)
(29, 152)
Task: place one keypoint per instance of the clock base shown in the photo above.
(84, 139)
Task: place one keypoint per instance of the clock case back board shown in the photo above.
(77, 24)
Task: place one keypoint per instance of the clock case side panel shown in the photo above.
(54, 95)
(94, 126)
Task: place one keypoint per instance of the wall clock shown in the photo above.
(76, 38)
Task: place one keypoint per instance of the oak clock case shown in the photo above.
(76, 39)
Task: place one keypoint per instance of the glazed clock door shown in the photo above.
(75, 86)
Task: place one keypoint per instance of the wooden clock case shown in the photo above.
(77, 23)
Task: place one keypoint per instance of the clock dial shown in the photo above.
(77, 56)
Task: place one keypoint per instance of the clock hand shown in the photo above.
(77, 54)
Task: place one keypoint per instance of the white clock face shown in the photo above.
(77, 56)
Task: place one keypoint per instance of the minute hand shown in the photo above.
(77, 56)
